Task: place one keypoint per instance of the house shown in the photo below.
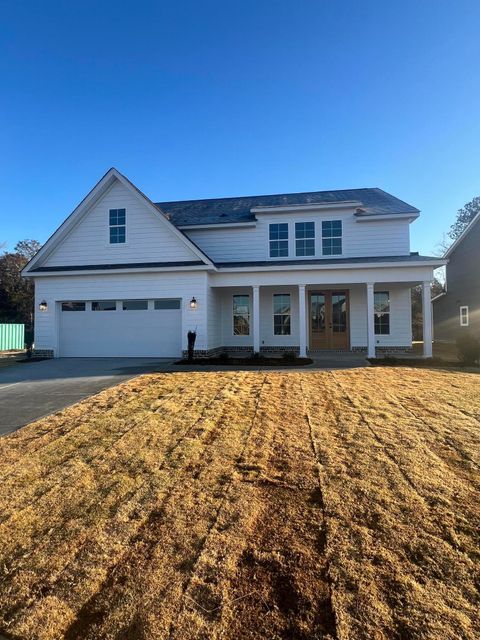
(457, 310)
(327, 270)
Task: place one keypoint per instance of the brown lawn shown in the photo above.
(305, 505)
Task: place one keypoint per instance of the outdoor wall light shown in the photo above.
(43, 306)
(193, 303)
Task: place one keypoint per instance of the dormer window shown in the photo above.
(117, 221)
(278, 237)
(305, 238)
(332, 237)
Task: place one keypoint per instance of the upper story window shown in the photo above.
(332, 237)
(464, 316)
(382, 312)
(305, 238)
(241, 315)
(278, 237)
(117, 222)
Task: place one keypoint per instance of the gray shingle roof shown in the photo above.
(413, 257)
(227, 210)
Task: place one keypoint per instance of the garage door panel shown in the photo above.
(120, 333)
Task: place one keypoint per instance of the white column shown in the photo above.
(302, 320)
(370, 322)
(256, 318)
(427, 319)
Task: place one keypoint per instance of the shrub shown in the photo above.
(224, 357)
(289, 356)
(468, 348)
(257, 356)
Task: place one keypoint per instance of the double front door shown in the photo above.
(328, 320)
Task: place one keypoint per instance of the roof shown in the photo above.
(117, 265)
(413, 257)
(227, 210)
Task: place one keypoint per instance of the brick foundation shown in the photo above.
(43, 353)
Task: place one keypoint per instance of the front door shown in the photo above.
(329, 320)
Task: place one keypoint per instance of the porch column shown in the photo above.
(370, 321)
(302, 320)
(256, 318)
(427, 319)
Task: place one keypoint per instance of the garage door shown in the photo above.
(115, 328)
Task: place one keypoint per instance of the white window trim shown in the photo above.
(117, 244)
(331, 255)
(288, 240)
(464, 316)
(281, 335)
(297, 255)
(243, 335)
(389, 312)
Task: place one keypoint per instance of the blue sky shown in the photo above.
(207, 99)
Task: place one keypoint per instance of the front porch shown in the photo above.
(311, 318)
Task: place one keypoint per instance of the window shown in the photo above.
(135, 305)
(104, 305)
(281, 314)
(278, 236)
(305, 238)
(241, 315)
(464, 316)
(166, 303)
(382, 312)
(332, 237)
(73, 306)
(118, 227)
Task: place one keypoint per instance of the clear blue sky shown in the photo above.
(218, 98)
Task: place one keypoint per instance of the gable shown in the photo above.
(149, 236)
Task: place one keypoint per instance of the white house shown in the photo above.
(301, 272)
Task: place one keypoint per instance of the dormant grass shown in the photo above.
(334, 505)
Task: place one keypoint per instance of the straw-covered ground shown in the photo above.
(240, 505)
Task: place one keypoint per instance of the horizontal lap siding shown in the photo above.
(360, 239)
(267, 337)
(400, 317)
(214, 318)
(230, 245)
(148, 238)
(122, 286)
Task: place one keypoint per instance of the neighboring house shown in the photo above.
(457, 310)
(300, 272)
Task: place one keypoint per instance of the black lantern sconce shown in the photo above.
(193, 303)
(43, 306)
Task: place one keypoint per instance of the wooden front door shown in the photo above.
(329, 326)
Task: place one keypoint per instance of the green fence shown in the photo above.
(12, 336)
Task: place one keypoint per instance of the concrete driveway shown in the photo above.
(31, 390)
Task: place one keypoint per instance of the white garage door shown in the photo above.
(121, 328)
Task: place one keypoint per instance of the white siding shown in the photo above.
(267, 337)
(118, 287)
(214, 318)
(360, 239)
(400, 317)
(230, 244)
(148, 238)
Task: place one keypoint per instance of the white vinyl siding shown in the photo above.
(359, 239)
(400, 317)
(148, 238)
(125, 286)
